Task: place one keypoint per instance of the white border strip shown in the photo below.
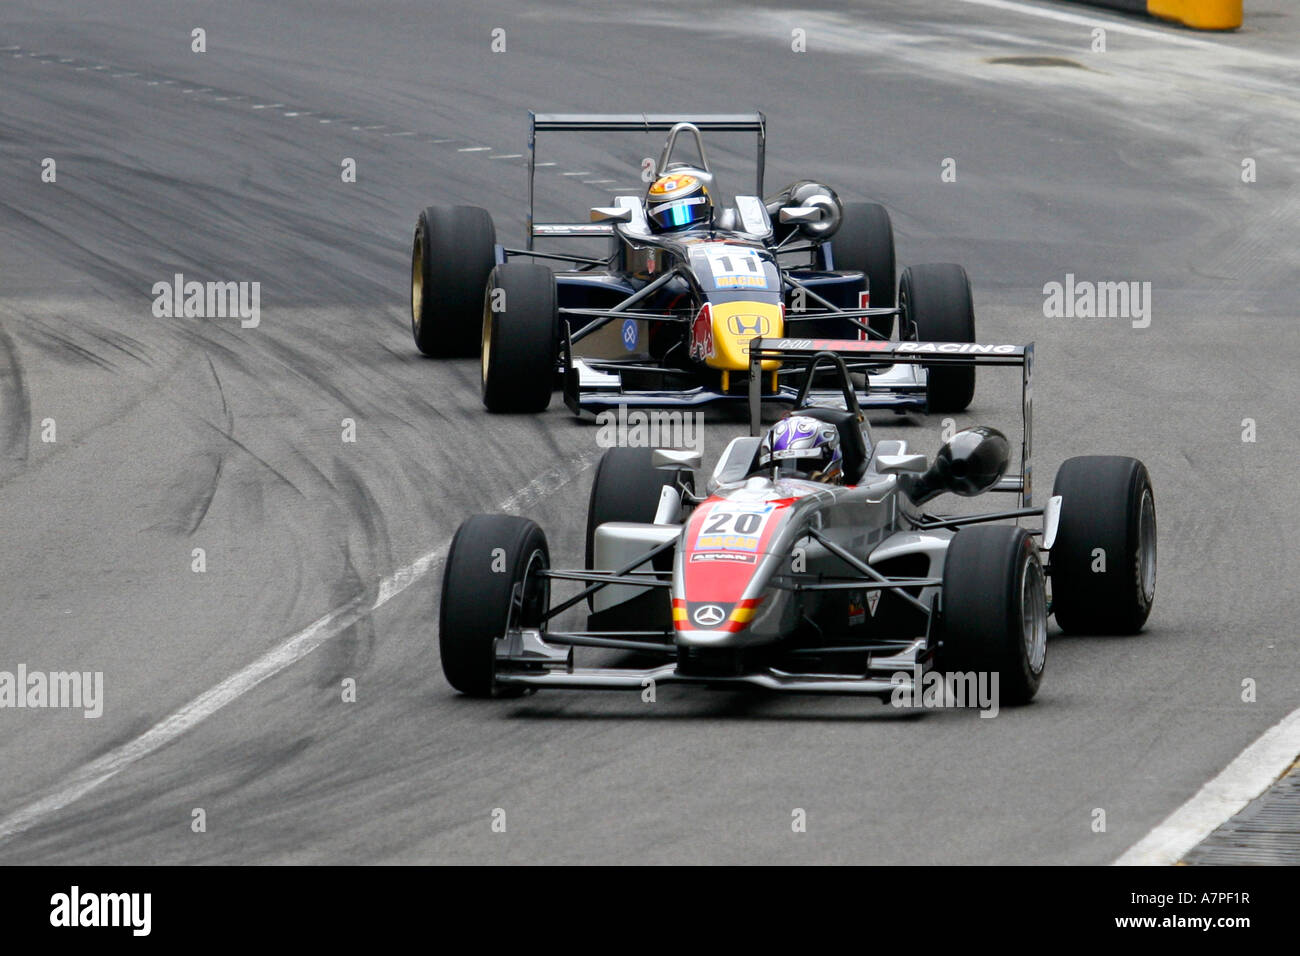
(287, 652)
(1253, 772)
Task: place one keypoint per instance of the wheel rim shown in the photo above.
(528, 602)
(1147, 545)
(417, 283)
(485, 349)
(1033, 614)
(533, 596)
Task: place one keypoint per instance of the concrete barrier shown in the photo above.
(1200, 14)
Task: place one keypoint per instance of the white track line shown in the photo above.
(284, 654)
(1254, 771)
(1118, 26)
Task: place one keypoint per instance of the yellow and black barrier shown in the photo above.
(1200, 14)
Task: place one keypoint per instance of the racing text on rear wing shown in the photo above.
(807, 351)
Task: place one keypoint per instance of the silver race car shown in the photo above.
(829, 580)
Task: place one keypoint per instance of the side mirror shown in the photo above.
(790, 214)
(672, 458)
(969, 463)
(611, 214)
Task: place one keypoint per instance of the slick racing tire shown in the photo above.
(935, 305)
(520, 340)
(451, 258)
(995, 609)
(626, 487)
(489, 555)
(1103, 561)
(864, 243)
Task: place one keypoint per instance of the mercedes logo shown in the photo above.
(708, 615)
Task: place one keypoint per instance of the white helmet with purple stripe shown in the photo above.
(799, 446)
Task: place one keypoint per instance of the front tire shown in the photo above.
(936, 306)
(520, 338)
(1104, 558)
(489, 556)
(995, 609)
(451, 257)
(864, 242)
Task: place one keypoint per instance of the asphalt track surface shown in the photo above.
(175, 434)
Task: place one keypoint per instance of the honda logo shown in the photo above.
(709, 615)
(748, 325)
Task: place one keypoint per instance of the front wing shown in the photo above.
(592, 385)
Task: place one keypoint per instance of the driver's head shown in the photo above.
(801, 447)
(677, 201)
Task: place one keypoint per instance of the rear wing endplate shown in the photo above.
(805, 351)
(630, 123)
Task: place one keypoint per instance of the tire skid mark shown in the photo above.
(15, 408)
(113, 274)
(205, 501)
(188, 496)
(131, 347)
(65, 337)
(349, 653)
(352, 508)
(36, 333)
(288, 651)
(231, 439)
(62, 348)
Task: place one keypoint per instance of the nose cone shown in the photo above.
(734, 325)
(713, 623)
(722, 569)
(714, 616)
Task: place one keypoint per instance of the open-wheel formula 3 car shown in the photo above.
(806, 586)
(665, 318)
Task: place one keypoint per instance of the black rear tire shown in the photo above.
(936, 306)
(451, 258)
(1103, 562)
(519, 338)
(478, 585)
(995, 609)
(864, 242)
(626, 487)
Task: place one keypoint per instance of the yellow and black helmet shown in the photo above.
(678, 201)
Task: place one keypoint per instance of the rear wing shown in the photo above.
(630, 123)
(807, 351)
